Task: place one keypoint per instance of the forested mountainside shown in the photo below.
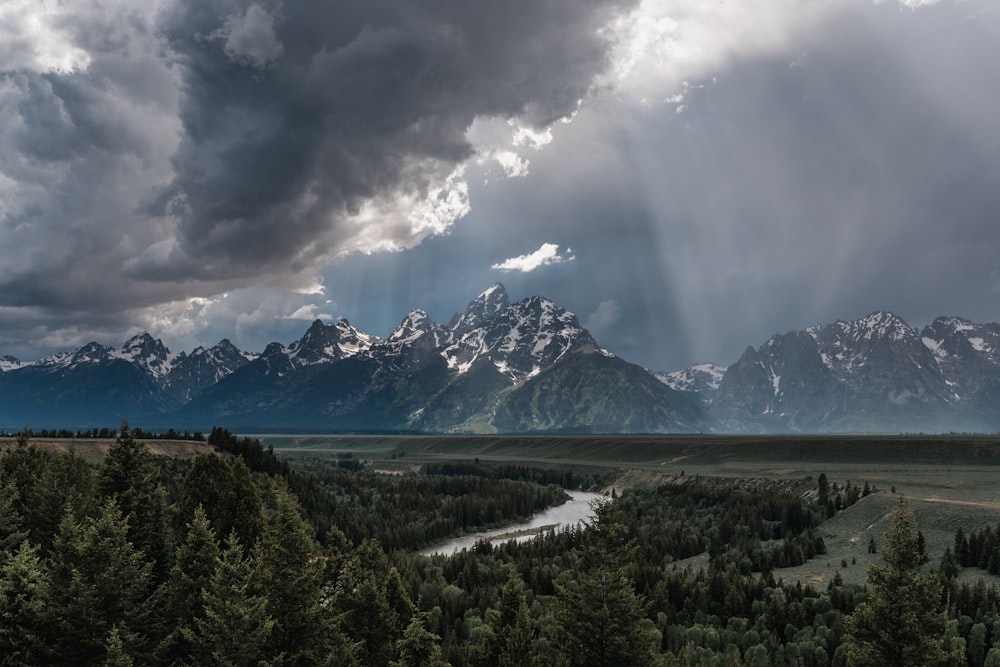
(236, 558)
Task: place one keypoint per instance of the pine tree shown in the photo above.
(513, 631)
(289, 575)
(228, 495)
(98, 580)
(371, 602)
(602, 619)
(129, 476)
(22, 607)
(197, 560)
(11, 521)
(900, 624)
(418, 647)
(235, 628)
(116, 656)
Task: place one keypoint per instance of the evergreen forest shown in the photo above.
(238, 558)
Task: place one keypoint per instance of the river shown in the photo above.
(574, 510)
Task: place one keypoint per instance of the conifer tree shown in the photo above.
(116, 656)
(98, 580)
(129, 477)
(289, 575)
(371, 602)
(900, 623)
(419, 647)
(227, 493)
(602, 619)
(513, 631)
(235, 628)
(22, 607)
(11, 521)
(197, 559)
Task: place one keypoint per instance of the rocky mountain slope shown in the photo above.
(873, 374)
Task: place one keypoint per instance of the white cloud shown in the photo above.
(33, 36)
(600, 321)
(547, 254)
(665, 42)
(306, 312)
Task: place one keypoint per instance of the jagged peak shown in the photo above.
(954, 323)
(488, 305)
(9, 363)
(494, 291)
(877, 325)
(416, 322)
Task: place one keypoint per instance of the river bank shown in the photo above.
(576, 509)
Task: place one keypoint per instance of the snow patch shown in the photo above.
(935, 346)
(978, 344)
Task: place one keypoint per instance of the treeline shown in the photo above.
(566, 478)
(104, 433)
(980, 548)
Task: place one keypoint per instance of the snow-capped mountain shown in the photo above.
(521, 339)
(148, 353)
(496, 366)
(191, 373)
(413, 340)
(325, 343)
(519, 367)
(9, 363)
(480, 310)
(702, 380)
(463, 376)
(875, 373)
(968, 355)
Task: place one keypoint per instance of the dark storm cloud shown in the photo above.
(150, 154)
(318, 109)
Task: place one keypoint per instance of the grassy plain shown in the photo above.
(950, 481)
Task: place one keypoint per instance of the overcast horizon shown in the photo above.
(688, 178)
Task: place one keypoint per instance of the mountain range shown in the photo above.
(529, 366)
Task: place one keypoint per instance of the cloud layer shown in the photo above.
(157, 153)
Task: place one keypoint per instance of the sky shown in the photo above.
(689, 178)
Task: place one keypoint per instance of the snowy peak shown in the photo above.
(700, 378)
(324, 343)
(954, 336)
(417, 323)
(413, 340)
(147, 353)
(523, 339)
(482, 309)
(880, 325)
(9, 363)
(872, 373)
(203, 368)
(91, 353)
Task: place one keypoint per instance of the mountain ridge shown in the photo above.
(424, 376)
(526, 366)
